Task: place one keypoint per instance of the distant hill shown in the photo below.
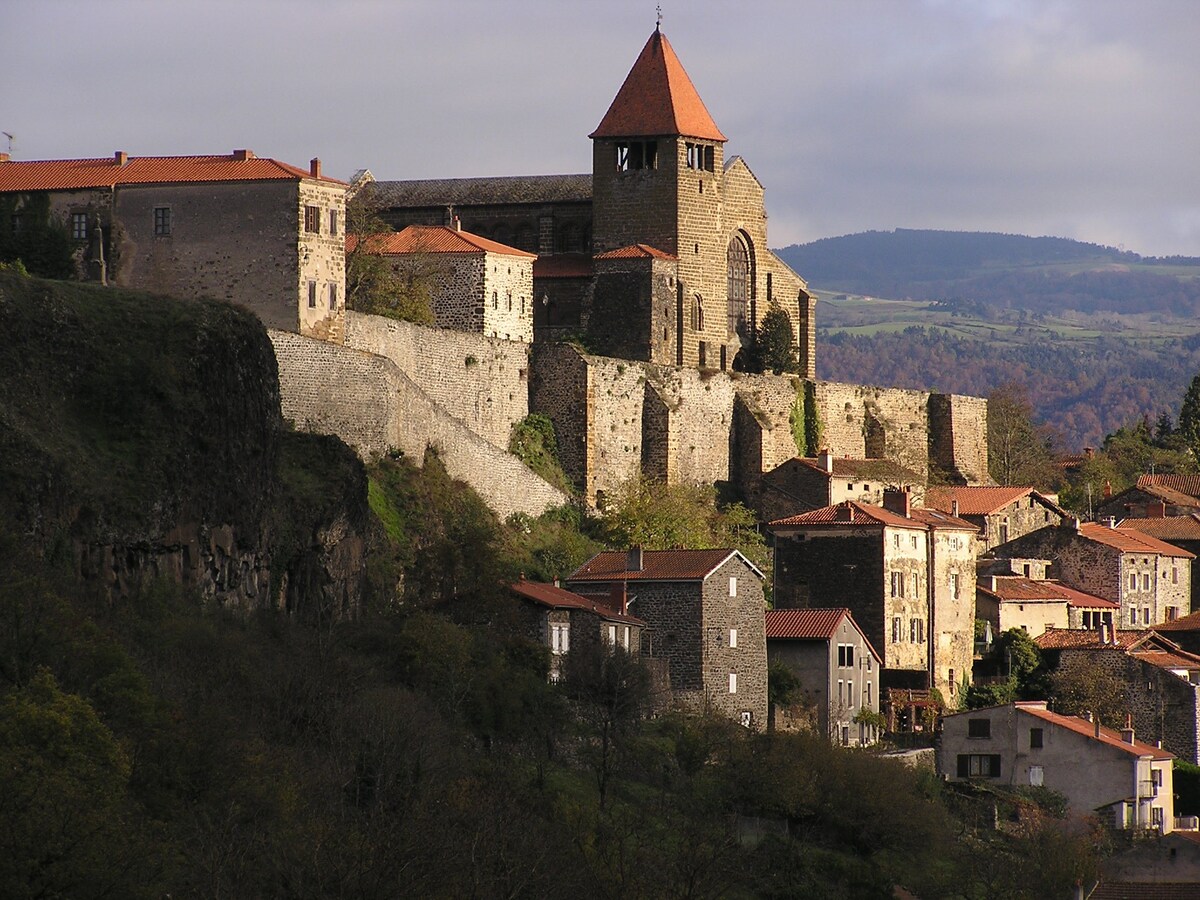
(1098, 336)
(999, 271)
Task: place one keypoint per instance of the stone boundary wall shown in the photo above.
(482, 381)
(373, 406)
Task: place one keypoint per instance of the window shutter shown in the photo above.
(964, 765)
(994, 764)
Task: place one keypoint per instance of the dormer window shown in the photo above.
(633, 155)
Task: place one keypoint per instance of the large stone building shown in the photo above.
(660, 254)
(252, 231)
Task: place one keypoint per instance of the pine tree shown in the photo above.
(777, 342)
(1189, 418)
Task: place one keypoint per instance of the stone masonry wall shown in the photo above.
(958, 436)
(733, 600)
(852, 415)
(508, 293)
(322, 255)
(482, 381)
(368, 402)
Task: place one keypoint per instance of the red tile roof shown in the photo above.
(1185, 484)
(1127, 540)
(1144, 890)
(1108, 736)
(559, 598)
(1164, 493)
(809, 625)
(935, 518)
(1073, 639)
(636, 251)
(1166, 659)
(658, 98)
(1183, 623)
(433, 239)
(80, 174)
(657, 565)
(974, 501)
(1018, 588)
(1167, 528)
(849, 514)
(1084, 600)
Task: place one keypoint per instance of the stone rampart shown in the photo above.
(367, 401)
(482, 381)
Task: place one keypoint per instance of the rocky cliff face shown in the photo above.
(140, 437)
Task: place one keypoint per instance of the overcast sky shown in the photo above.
(1077, 118)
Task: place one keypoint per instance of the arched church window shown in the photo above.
(737, 284)
(697, 313)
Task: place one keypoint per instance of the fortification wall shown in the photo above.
(958, 436)
(615, 398)
(691, 433)
(482, 381)
(863, 422)
(368, 402)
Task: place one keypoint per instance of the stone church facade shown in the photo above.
(659, 255)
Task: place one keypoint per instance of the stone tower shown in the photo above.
(660, 181)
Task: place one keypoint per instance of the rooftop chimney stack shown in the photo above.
(897, 500)
(1127, 731)
(954, 507)
(633, 560)
(242, 155)
(120, 158)
(314, 167)
(1111, 521)
(1107, 489)
(825, 461)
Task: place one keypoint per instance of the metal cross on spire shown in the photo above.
(658, 23)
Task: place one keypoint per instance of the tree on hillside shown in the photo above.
(1019, 452)
(375, 284)
(1189, 418)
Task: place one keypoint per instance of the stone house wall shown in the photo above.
(733, 599)
(322, 258)
(508, 297)
(952, 610)
(1015, 520)
(482, 381)
(375, 408)
(907, 619)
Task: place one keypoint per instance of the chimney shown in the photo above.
(954, 507)
(1102, 629)
(1089, 452)
(618, 600)
(897, 501)
(993, 584)
(633, 560)
(556, 583)
(314, 167)
(1096, 723)
(4, 157)
(120, 158)
(242, 155)
(1156, 509)
(825, 461)
(845, 513)
(1127, 731)
(1111, 521)
(456, 223)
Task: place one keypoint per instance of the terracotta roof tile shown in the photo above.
(1167, 528)
(433, 239)
(559, 598)
(1108, 736)
(849, 514)
(1164, 493)
(636, 251)
(1084, 600)
(657, 565)
(935, 518)
(809, 625)
(974, 501)
(1127, 540)
(658, 98)
(1071, 639)
(1185, 484)
(1183, 623)
(1166, 659)
(1018, 587)
(80, 174)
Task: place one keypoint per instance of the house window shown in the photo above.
(1035, 738)
(896, 541)
(867, 693)
(845, 656)
(914, 542)
(612, 635)
(560, 637)
(1156, 817)
(1133, 581)
(1145, 581)
(1172, 613)
(333, 221)
(625, 637)
(162, 220)
(1146, 616)
(953, 683)
(312, 219)
(699, 156)
(16, 221)
(896, 630)
(732, 585)
(1174, 575)
(79, 226)
(1036, 776)
(979, 765)
(953, 585)
(733, 682)
(312, 295)
(732, 638)
(1133, 616)
(333, 298)
(841, 692)
(979, 728)
(747, 718)
(850, 694)
(916, 631)
(897, 584)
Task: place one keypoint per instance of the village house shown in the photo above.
(1152, 678)
(1178, 531)
(703, 611)
(906, 574)
(560, 619)
(1153, 496)
(1148, 578)
(1036, 605)
(472, 283)
(836, 666)
(253, 231)
(1098, 770)
(802, 484)
(660, 253)
(1000, 513)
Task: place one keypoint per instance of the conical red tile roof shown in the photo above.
(658, 98)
